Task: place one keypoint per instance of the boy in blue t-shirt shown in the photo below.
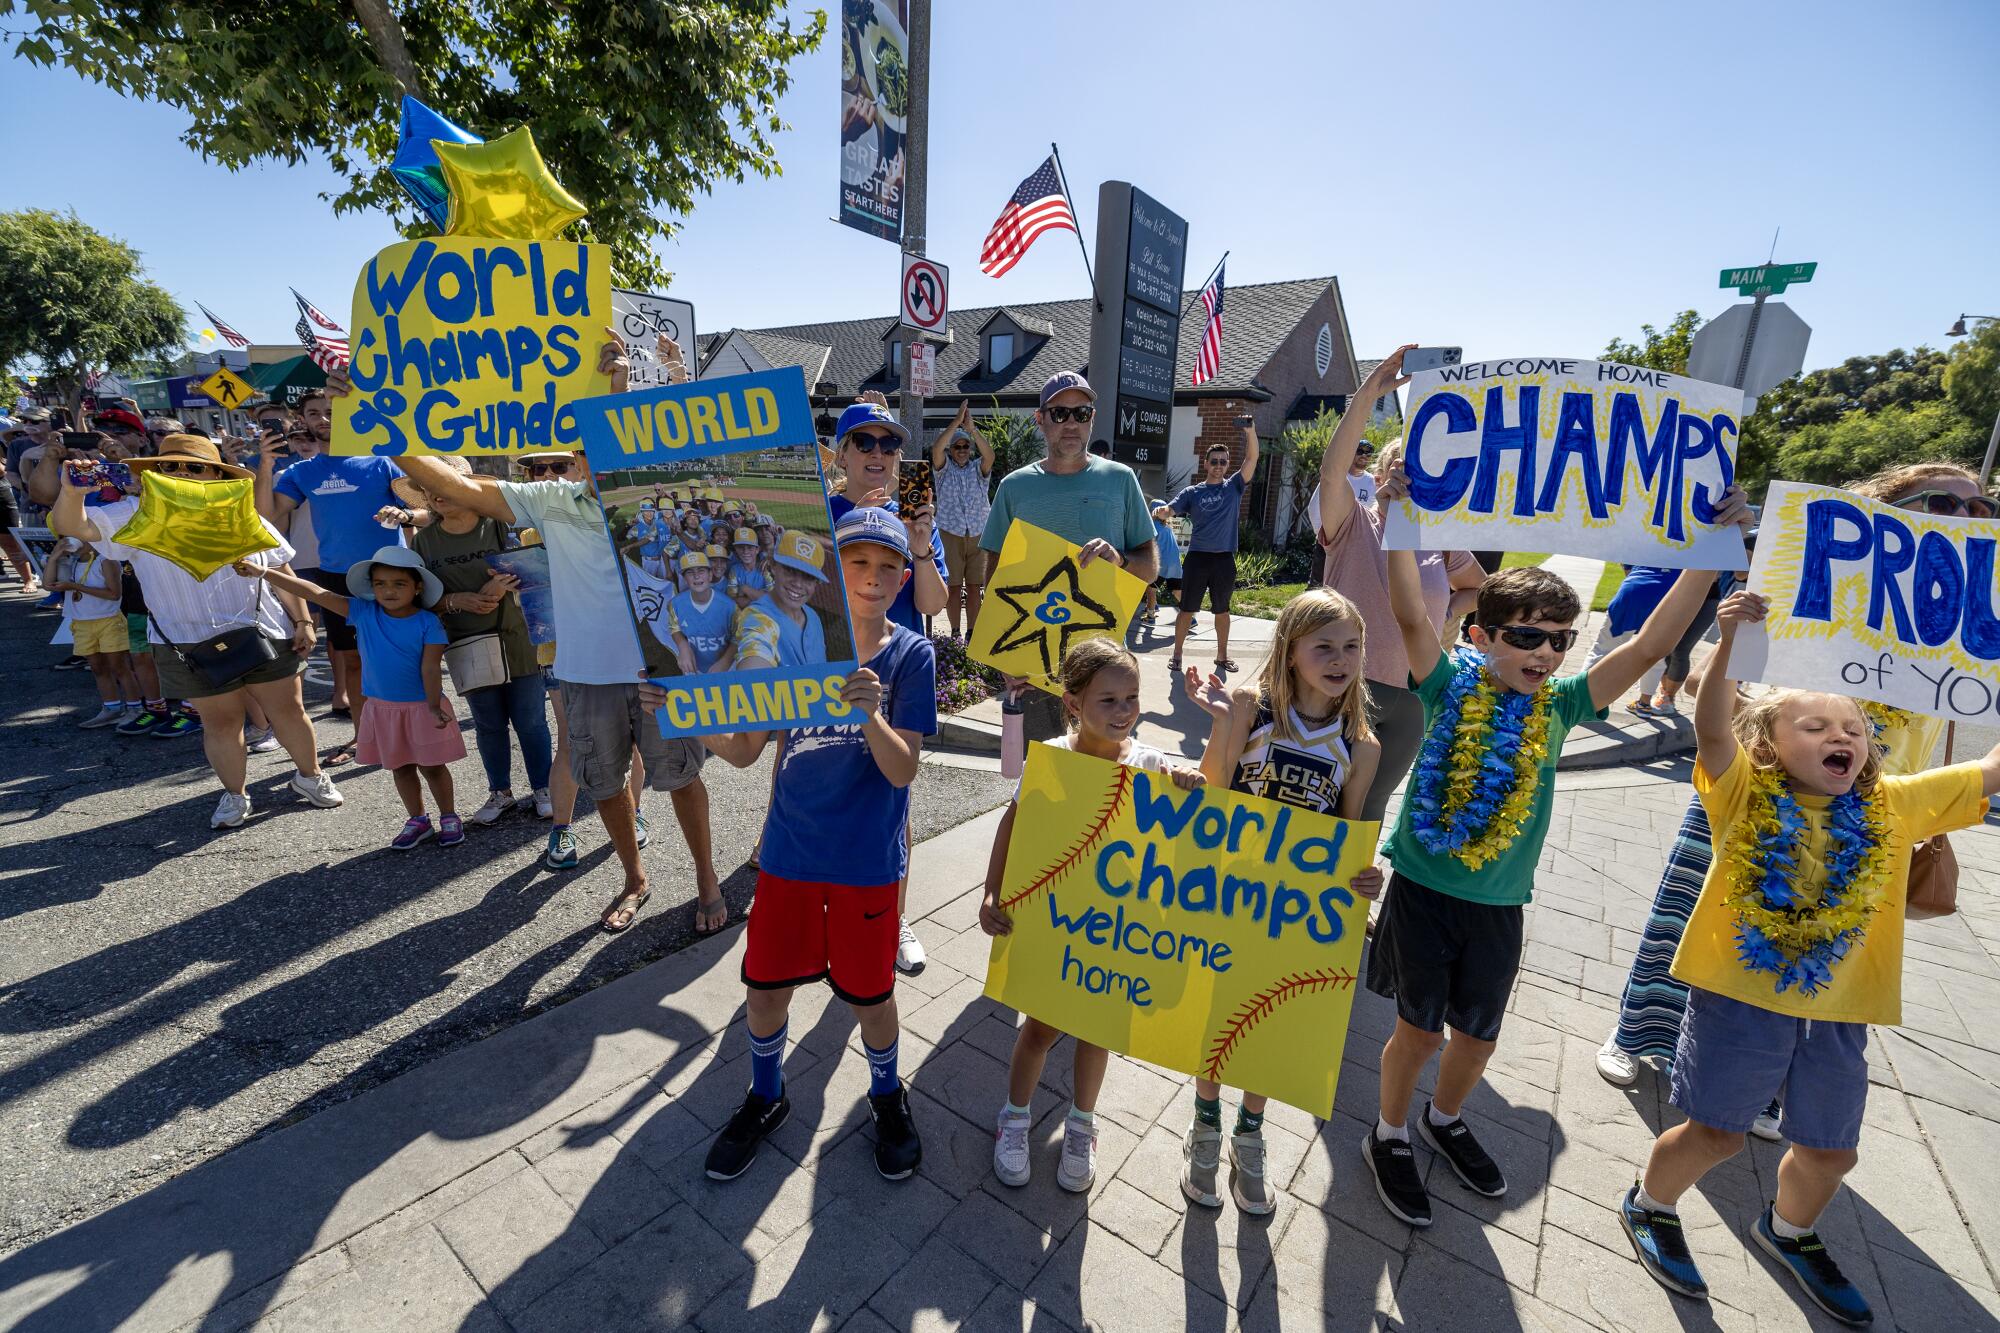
(833, 852)
(779, 629)
(699, 619)
(748, 579)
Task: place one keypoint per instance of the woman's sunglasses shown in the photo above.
(1082, 412)
(559, 468)
(1944, 502)
(1528, 637)
(876, 444)
(172, 469)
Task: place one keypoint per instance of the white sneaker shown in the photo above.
(909, 949)
(318, 789)
(497, 804)
(260, 740)
(1010, 1148)
(108, 715)
(1618, 1068)
(1769, 1124)
(230, 811)
(545, 806)
(1078, 1168)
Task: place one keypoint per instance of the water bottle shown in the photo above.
(1013, 733)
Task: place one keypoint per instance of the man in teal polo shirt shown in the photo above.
(1093, 502)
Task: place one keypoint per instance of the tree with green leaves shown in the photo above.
(1972, 380)
(1792, 434)
(76, 301)
(637, 108)
(1656, 350)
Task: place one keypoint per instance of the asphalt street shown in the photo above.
(168, 993)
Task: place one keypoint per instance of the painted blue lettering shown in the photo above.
(1823, 546)
(387, 293)
(1576, 435)
(1628, 430)
(563, 358)
(1287, 905)
(1161, 812)
(485, 260)
(457, 307)
(1981, 633)
(1250, 892)
(1895, 551)
(1119, 888)
(1497, 438)
(1700, 503)
(1440, 490)
(1331, 900)
(1937, 589)
(1211, 826)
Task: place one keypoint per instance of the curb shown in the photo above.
(964, 733)
(1610, 744)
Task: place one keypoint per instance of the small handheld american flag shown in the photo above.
(1039, 204)
(1208, 360)
(227, 334)
(328, 353)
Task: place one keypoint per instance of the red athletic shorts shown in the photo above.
(801, 932)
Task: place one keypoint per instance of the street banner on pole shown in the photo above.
(1204, 931)
(1588, 458)
(739, 645)
(1875, 601)
(874, 114)
(474, 346)
(1039, 601)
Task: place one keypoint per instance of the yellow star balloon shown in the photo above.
(199, 525)
(502, 188)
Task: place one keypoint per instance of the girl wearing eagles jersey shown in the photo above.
(1300, 736)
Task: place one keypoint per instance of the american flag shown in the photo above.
(328, 353)
(1039, 205)
(227, 334)
(1208, 360)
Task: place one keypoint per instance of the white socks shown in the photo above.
(1438, 1121)
(1785, 1229)
(1653, 1205)
(1384, 1131)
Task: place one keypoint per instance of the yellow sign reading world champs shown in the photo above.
(1204, 931)
(469, 345)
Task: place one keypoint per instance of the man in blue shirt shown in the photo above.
(1212, 505)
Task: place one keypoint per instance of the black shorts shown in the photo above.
(1443, 960)
(10, 513)
(1210, 571)
(339, 634)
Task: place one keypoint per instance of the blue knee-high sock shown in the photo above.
(881, 1069)
(767, 1075)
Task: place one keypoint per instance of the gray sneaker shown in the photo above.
(1246, 1174)
(1078, 1168)
(1203, 1150)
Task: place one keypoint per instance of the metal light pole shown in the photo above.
(1958, 330)
(916, 147)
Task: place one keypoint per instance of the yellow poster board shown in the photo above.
(472, 345)
(1204, 931)
(227, 388)
(1039, 601)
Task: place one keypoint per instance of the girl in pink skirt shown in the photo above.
(405, 726)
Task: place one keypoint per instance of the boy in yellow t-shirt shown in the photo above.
(1794, 947)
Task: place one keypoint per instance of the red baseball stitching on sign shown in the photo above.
(1259, 1007)
(1062, 865)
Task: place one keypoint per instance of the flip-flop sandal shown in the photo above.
(1174, 665)
(1224, 664)
(347, 713)
(344, 755)
(637, 901)
(701, 914)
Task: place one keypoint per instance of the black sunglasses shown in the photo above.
(1944, 502)
(558, 468)
(875, 444)
(1528, 637)
(1082, 412)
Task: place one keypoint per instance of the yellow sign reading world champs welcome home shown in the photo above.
(1204, 931)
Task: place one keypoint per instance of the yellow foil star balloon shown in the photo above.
(199, 525)
(503, 188)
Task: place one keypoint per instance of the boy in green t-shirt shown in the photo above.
(1448, 942)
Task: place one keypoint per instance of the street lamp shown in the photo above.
(1958, 330)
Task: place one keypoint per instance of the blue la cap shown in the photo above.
(1066, 379)
(872, 524)
(867, 414)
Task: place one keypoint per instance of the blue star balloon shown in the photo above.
(416, 165)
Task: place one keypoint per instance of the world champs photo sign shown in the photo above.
(1204, 931)
(741, 640)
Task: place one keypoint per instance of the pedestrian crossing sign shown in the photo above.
(227, 388)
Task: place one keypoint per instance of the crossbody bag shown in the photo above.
(1933, 888)
(227, 656)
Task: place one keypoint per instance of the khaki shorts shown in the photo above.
(104, 635)
(605, 723)
(964, 558)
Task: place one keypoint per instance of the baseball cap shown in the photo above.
(744, 537)
(804, 552)
(1066, 379)
(694, 560)
(867, 414)
(872, 524)
(715, 551)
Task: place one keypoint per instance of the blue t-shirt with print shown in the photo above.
(902, 611)
(1212, 508)
(752, 578)
(763, 630)
(706, 627)
(345, 494)
(835, 819)
(392, 650)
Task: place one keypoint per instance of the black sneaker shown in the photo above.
(1393, 1163)
(1808, 1261)
(897, 1148)
(1454, 1143)
(736, 1146)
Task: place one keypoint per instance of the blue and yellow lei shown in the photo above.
(1780, 927)
(1476, 775)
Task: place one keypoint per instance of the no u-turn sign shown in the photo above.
(924, 300)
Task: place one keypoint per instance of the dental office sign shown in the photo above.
(1588, 458)
(1875, 601)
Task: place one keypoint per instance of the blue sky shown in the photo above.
(1518, 179)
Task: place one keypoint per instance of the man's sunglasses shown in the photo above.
(1528, 637)
(1944, 502)
(173, 469)
(875, 444)
(559, 468)
(1082, 412)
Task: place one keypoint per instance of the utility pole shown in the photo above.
(916, 147)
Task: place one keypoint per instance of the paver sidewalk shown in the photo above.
(550, 1178)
